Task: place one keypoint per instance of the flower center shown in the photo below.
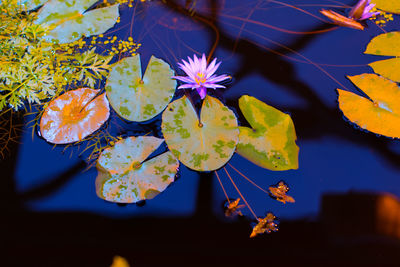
(200, 78)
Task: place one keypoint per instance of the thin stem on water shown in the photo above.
(248, 179)
(240, 194)
(222, 186)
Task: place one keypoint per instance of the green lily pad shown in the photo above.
(69, 21)
(386, 44)
(140, 99)
(201, 147)
(125, 177)
(391, 6)
(270, 143)
(32, 4)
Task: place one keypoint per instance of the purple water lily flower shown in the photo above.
(200, 76)
(361, 11)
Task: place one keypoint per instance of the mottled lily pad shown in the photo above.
(69, 21)
(270, 143)
(73, 116)
(138, 98)
(125, 177)
(32, 4)
(201, 147)
(381, 112)
(391, 6)
(386, 44)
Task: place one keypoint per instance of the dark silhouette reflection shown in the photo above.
(84, 239)
(315, 119)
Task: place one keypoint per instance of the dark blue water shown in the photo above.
(335, 156)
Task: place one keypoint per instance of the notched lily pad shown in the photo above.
(32, 4)
(124, 175)
(73, 116)
(137, 98)
(391, 6)
(386, 44)
(381, 113)
(270, 143)
(201, 147)
(70, 21)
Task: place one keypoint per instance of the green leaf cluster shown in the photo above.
(32, 70)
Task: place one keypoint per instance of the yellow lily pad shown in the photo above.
(137, 98)
(270, 143)
(380, 113)
(204, 146)
(391, 6)
(69, 19)
(386, 44)
(124, 175)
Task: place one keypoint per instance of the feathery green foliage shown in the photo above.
(33, 70)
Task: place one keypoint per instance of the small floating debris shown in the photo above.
(232, 209)
(265, 225)
(279, 191)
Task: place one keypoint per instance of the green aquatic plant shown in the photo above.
(129, 169)
(68, 21)
(270, 143)
(202, 144)
(202, 140)
(140, 98)
(34, 70)
(126, 176)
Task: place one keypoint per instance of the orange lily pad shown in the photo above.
(74, 115)
(380, 113)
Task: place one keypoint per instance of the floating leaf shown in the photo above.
(232, 208)
(201, 147)
(125, 177)
(270, 143)
(74, 115)
(32, 4)
(265, 225)
(381, 112)
(386, 44)
(279, 191)
(140, 99)
(70, 21)
(391, 6)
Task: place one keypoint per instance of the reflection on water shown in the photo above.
(272, 52)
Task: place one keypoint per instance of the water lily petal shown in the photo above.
(183, 79)
(202, 92)
(187, 85)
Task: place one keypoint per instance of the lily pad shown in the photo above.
(125, 177)
(201, 147)
(138, 98)
(73, 116)
(270, 143)
(69, 21)
(381, 112)
(386, 44)
(391, 6)
(32, 4)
